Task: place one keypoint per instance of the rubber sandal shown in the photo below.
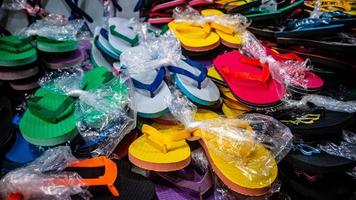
(312, 84)
(227, 34)
(187, 183)
(314, 122)
(194, 37)
(250, 85)
(121, 36)
(160, 150)
(231, 113)
(19, 72)
(16, 52)
(101, 41)
(55, 46)
(49, 119)
(25, 84)
(63, 60)
(191, 79)
(97, 58)
(267, 15)
(151, 91)
(194, 3)
(215, 76)
(164, 4)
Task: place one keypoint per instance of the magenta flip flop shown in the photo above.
(194, 3)
(249, 80)
(63, 60)
(166, 5)
(305, 81)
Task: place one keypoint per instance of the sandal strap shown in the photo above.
(199, 78)
(133, 41)
(154, 85)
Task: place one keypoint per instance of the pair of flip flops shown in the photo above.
(231, 106)
(163, 148)
(252, 84)
(206, 37)
(109, 44)
(18, 63)
(49, 119)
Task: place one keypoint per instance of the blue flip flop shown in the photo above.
(191, 78)
(102, 43)
(150, 94)
(22, 152)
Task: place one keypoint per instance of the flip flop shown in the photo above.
(19, 72)
(121, 35)
(187, 183)
(55, 46)
(311, 83)
(231, 113)
(227, 34)
(194, 3)
(250, 85)
(25, 84)
(101, 41)
(166, 4)
(49, 120)
(191, 79)
(195, 38)
(97, 58)
(215, 76)
(262, 15)
(15, 52)
(314, 122)
(63, 60)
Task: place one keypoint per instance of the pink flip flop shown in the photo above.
(249, 80)
(166, 5)
(305, 81)
(200, 2)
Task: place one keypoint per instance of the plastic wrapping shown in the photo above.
(199, 160)
(236, 21)
(236, 140)
(326, 102)
(269, 5)
(346, 148)
(288, 72)
(13, 4)
(36, 180)
(56, 27)
(103, 114)
(152, 54)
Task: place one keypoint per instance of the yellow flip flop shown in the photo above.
(229, 37)
(245, 167)
(194, 37)
(231, 113)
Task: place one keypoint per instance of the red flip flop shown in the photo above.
(249, 80)
(308, 83)
(170, 4)
(194, 3)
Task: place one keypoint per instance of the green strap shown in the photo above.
(14, 44)
(133, 42)
(53, 116)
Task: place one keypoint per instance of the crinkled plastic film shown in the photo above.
(200, 160)
(56, 27)
(104, 115)
(189, 15)
(325, 102)
(237, 140)
(269, 5)
(36, 180)
(288, 72)
(152, 54)
(346, 148)
(13, 4)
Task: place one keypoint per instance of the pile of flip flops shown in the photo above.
(196, 99)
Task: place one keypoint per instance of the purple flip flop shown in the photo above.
(185, 184)
(63, 60)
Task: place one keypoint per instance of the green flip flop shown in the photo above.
(49, 119)
(55, 46)
(16, 52)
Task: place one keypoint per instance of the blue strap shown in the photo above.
(116, 5)
(76, 12)
(104, 33)
(306, 149)
(139, 5)
(154, 85)
(199, 79)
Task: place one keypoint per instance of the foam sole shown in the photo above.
(59, 61)
(10, 75)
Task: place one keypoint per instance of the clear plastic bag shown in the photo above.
(346, 148)
(288, 72)
(152, 54)
(237, 141)
(56, 27)
(105, 114)
(188, 14)
(13, 4)
(325, 102)
(36, 180)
